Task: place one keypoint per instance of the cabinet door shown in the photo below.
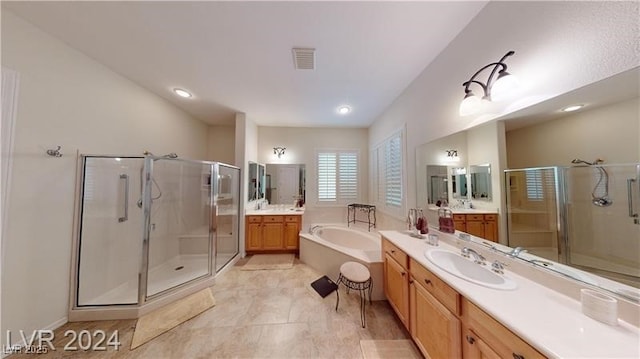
(272, 236)
(291, 235)
(460, 222)
(434, 328)
(475, 226)
(476, 348)
(254, 236)
(396, 288)
(490, 228)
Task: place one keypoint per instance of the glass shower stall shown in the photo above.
(583, 216)
(151, 226)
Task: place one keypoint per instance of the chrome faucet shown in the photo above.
(312, 229)
(498, 267)
(477, 257)
(516, 252)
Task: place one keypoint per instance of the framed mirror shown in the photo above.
(252, 182)
(261, 181)
(285, 183)
(459, 186)
(480, 177)
(437, 184)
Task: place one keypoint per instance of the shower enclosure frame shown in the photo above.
(147, 302)
(561, 187)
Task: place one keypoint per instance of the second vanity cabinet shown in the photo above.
(272, 233)
(442, 323)
(483, 225)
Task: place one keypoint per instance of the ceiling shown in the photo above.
(237, 56)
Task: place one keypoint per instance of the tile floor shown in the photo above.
(259, 314)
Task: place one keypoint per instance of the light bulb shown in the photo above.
(470, 105)
(182, 93)
(504, 87)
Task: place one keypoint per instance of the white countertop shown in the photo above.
(275, 211)
(465, 210)
(549, 321)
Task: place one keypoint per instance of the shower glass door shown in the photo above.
(603, 235)
(179, 239)
(533, 210)
(227, 199)
(110, 249)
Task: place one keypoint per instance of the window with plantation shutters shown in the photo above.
(540, 184)
(393, 171)
(337, 176)
(386, 174)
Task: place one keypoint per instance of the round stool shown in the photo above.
(357, 277)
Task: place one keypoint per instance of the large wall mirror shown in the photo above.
(285, 183)
(554, 178)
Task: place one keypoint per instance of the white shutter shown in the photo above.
(393, 171)
(337, 176)
(348, 175)
(326, 176)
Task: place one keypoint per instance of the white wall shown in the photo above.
(608, 132)
(221, 144)
(301, 144)
(560, 46)
(68, 99)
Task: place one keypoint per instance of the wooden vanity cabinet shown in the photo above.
(442, 323)
(272, 233)
(292, 228)
(480, 225)
(484, 337)
(434, 314)
(396, 280)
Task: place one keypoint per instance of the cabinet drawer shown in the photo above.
(291, 218)
(271, 219)
(475, 217)
(254, 219)
(434, 285)
(503, 341)
(490, 217)
(395, 253)
(459, 217)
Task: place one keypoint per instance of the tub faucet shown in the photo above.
(477, 257)
(516, 252)
(313, 228)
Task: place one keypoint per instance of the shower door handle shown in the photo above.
(125, 177)
(214, 218)
(632, 214)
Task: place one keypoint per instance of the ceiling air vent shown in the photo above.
(304, 58)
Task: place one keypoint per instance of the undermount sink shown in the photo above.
(466, 269)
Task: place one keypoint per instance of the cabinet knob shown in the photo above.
(518, 356)
(393, 251)
(403, 274)
(410, 281)
(471, 340)
(428, 281)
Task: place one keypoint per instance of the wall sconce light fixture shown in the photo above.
(494, 89)
(279, 151)
(451, 153)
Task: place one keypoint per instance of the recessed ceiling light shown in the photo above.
(182, 93)
(343, 110)
(572, 108)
